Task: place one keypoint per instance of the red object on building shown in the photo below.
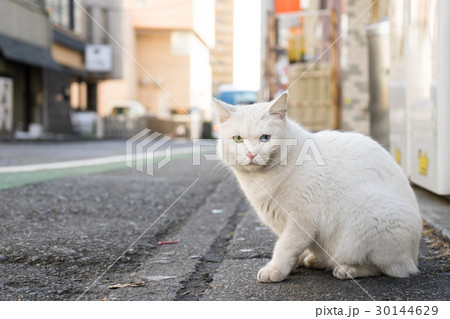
(282, 6)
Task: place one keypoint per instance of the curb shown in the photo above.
(440, 231)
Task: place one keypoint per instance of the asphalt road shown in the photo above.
(95, 237)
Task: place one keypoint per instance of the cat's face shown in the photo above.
(250, 134)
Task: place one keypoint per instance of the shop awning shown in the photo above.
(26, 53)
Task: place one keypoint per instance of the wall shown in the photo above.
(355, 71)
(167, 14)
(12, 16)
(204, 19)
(200, 77)
(124, 88)
(160, 38)
(222, 52)
(68, 57)
(110, 16)
(154, 53)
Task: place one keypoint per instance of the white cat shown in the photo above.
(336, 200)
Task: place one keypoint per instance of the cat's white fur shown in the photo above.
(356, 215)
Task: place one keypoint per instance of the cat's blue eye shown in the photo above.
(264, 138)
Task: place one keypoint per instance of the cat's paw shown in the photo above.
(312, 262)
(301, 259)
(351, 272)
(271, 274)
(343, 272)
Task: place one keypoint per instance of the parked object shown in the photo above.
(35, 130)
(130, 109)
(236, 97)
(84, 123)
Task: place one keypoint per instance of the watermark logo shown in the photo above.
(142, 150)
(288, 149)
(309, 146)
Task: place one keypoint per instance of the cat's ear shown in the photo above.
(224, 110)
(279, 106)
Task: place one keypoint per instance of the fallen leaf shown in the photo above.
(131, 284)
(158, 278)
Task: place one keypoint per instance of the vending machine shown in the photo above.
(420, 91)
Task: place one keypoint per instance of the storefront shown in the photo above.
(22, 78)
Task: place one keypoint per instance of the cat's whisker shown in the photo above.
(220, 166)
(228, 174)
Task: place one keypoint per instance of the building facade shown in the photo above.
(222, 53)
(25, 57)
(167, 68)
(44, 55)
(351, 18)
(355, 113)
(84, 34)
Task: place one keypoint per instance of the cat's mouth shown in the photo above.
(259, 162)
(254, 164)
(248, 164)
(256, 161)
(251, 167)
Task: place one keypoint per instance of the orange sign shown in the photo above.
(282, 6)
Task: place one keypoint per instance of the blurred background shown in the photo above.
(107, 131)
(94, 69)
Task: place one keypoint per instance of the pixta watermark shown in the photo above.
(143, 149)
(147, 151)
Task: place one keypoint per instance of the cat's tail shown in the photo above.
(402, 268)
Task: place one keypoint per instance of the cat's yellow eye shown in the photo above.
(238, 139)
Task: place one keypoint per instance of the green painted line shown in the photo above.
(11, 180)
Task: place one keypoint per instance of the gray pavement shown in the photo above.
(69, 239)
(435, 210)
(236, 277)
(23, 153)
(58, 236)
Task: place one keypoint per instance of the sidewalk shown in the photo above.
(435, 210)
(221, 242)
(252, 245)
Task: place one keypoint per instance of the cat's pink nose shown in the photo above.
(250, 155)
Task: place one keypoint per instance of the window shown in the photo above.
(61, 12)
(105, 24)
(89, 23)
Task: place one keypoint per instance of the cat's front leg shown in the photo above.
(292, 242)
